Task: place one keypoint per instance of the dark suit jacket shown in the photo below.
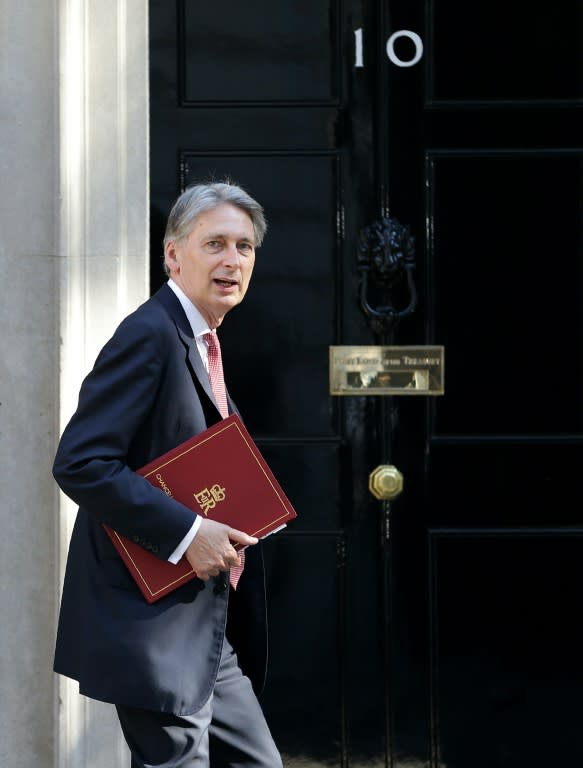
(147, 392)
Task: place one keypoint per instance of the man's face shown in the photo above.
(213, 265)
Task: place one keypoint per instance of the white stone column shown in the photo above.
(28, 379)
(103, 236)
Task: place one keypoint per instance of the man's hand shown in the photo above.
(211, 551)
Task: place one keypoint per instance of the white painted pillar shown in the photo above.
(103, 275)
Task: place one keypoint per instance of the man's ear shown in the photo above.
(170, 257)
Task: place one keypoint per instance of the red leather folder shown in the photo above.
(220, 474)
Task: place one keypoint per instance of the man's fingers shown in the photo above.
(212, 572)
(203, 576)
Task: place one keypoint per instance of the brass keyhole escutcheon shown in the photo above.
(385, 482)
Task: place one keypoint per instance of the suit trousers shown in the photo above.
(229, 731)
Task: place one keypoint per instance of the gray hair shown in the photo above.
(204, 197)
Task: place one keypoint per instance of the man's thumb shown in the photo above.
(242, 538)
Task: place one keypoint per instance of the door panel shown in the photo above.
(508, 676)
(506, 240)
(491, 49)
(270, 53)
(514, 481)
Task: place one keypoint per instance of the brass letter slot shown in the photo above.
(386, 370)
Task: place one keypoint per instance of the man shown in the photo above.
(180, 671)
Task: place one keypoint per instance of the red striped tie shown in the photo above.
(216, 373)
(217, 381)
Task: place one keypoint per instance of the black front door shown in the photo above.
(442, 629)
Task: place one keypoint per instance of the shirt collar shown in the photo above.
(197, 322)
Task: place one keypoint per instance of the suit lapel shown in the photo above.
(197, 364)
(169, 300)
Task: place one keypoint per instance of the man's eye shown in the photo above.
(213, 244)
(245, 247)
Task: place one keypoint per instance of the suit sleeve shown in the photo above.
(91, 464)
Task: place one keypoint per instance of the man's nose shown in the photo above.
(231, 256)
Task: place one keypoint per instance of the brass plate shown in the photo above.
(386, 370)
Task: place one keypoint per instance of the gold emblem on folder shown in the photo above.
(208, 497)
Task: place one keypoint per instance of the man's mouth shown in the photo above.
(225, 282)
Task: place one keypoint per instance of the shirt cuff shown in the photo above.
(185, 543)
